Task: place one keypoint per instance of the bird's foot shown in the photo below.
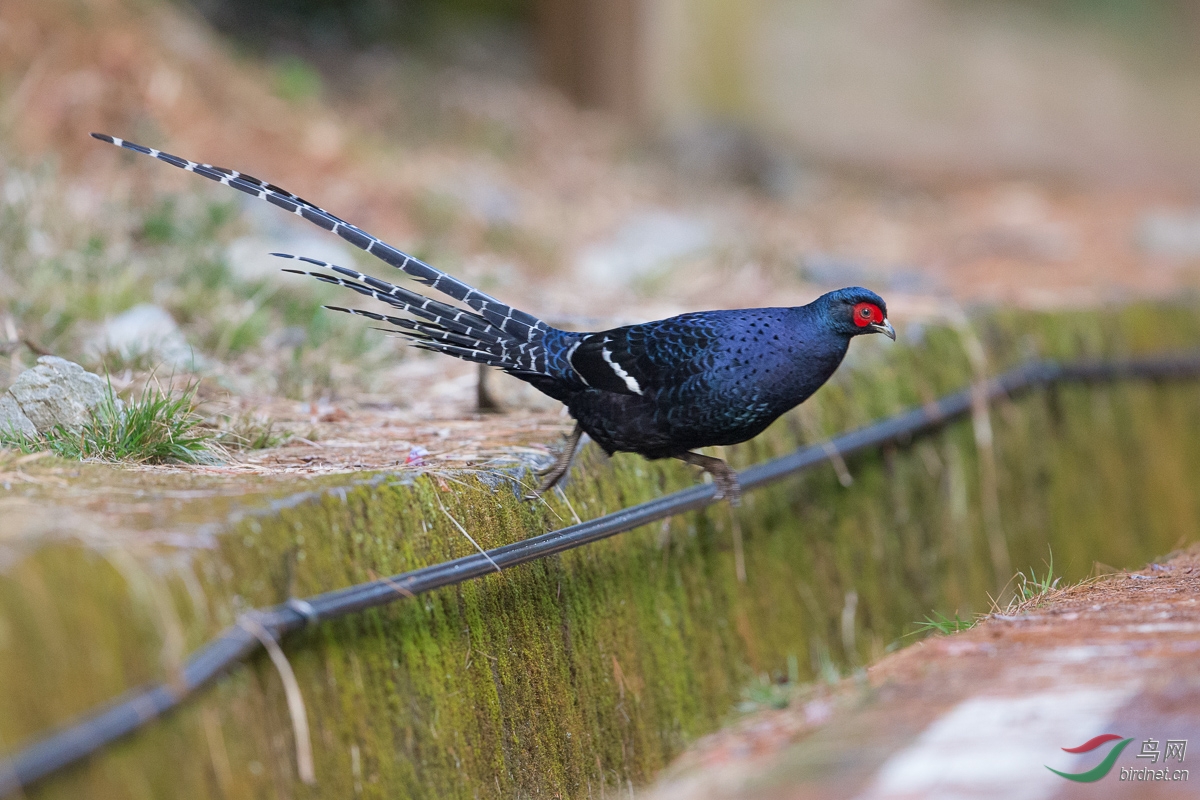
(559, 469)
(724, 479)
(728, 488)
(549, 479)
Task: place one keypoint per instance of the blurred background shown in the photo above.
(1086, 89)
(592, 161)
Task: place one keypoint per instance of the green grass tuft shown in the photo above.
(250, 432)
(154, 428)
(1032, 588)
(940, 623)
(765, 694)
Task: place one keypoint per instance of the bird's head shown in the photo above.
(855, 310)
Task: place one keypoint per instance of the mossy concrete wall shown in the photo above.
(583, 674)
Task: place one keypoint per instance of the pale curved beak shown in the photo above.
(886, 329)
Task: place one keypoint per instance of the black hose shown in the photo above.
(136, 708)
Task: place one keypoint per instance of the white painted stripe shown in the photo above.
(999, 747)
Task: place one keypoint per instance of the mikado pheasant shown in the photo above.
(661, 389)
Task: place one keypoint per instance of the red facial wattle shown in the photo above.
(867, 314)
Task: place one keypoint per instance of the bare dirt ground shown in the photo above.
(355, 434)
(983, 713)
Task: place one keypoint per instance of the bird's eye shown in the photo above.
(866, 313)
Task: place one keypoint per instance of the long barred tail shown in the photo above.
(505, 323)
(439, 327)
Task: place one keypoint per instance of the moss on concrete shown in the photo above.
(586, 672)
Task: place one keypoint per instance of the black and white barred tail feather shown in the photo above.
(399, 297)
(661, 389)
(511, 321)
(441, 328)
(427, 337)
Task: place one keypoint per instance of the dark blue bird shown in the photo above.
(661, 389)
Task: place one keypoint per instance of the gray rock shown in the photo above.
(834, 272)
(13, 419)
(487, 199)
(1173, 234)
(510, 392)
(830, 270)
(646, 244)
(287, 338)
(146, 329)
(717, 151)
(58, 392)
(250, 259)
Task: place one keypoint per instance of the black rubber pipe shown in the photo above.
(138, 707)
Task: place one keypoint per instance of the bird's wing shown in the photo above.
(645, 358)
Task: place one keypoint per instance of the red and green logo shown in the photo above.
(1100, 770)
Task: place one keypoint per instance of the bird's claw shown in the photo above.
(724, 479)
(728, 488)
(550, 479)
(559, 469)
(545, 486)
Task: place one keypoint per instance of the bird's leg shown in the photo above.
(724, 478)
(561, 466)
(484, 402)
